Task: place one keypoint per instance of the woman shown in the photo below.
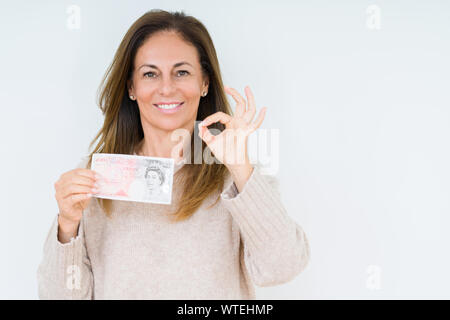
(226, 229)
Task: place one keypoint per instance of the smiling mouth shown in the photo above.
(168, 106)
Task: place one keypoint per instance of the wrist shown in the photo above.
(240, 175)
(67, 226)
(243, 170)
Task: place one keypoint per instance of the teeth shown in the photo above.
(167, 106)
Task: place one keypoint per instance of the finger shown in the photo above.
(83, 180)
(75, 198)
(76, 189)
(88, 173)
(205, 134)
(241, 104)
(255, 125)
(65, 188)
(251, 110)
(77, 178)
(216, 117)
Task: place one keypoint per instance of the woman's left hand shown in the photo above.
(230, 146)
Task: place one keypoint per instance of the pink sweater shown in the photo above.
(247, 239)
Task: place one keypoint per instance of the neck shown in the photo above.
(158, 143)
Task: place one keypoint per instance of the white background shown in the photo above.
(363, 117)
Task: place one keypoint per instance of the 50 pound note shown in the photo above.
(134, 178)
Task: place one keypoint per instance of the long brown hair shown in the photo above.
(122, 129)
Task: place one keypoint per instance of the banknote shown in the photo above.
(134, 178)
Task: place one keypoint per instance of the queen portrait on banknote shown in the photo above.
(167, 204)
(150, 185)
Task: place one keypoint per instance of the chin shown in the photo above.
(172, 123)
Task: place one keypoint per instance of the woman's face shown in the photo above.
(153, 180)
(167, 70)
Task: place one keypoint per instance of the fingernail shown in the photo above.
(89, 195)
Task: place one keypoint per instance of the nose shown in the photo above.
(167, 86)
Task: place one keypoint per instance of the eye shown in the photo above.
(145, 74)
(183, 71)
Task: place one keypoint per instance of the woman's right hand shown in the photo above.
(74, 189)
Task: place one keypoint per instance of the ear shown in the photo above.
(206, 84)
(130, 87)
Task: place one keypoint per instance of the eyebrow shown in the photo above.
(175, 65)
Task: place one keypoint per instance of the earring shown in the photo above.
(204, 94)
(132, 97)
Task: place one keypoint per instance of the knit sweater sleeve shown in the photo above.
(65, 271)
(276, 248)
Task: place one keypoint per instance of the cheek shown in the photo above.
(191, 88)
(191, 93)
(145, 92)
(195, 88)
